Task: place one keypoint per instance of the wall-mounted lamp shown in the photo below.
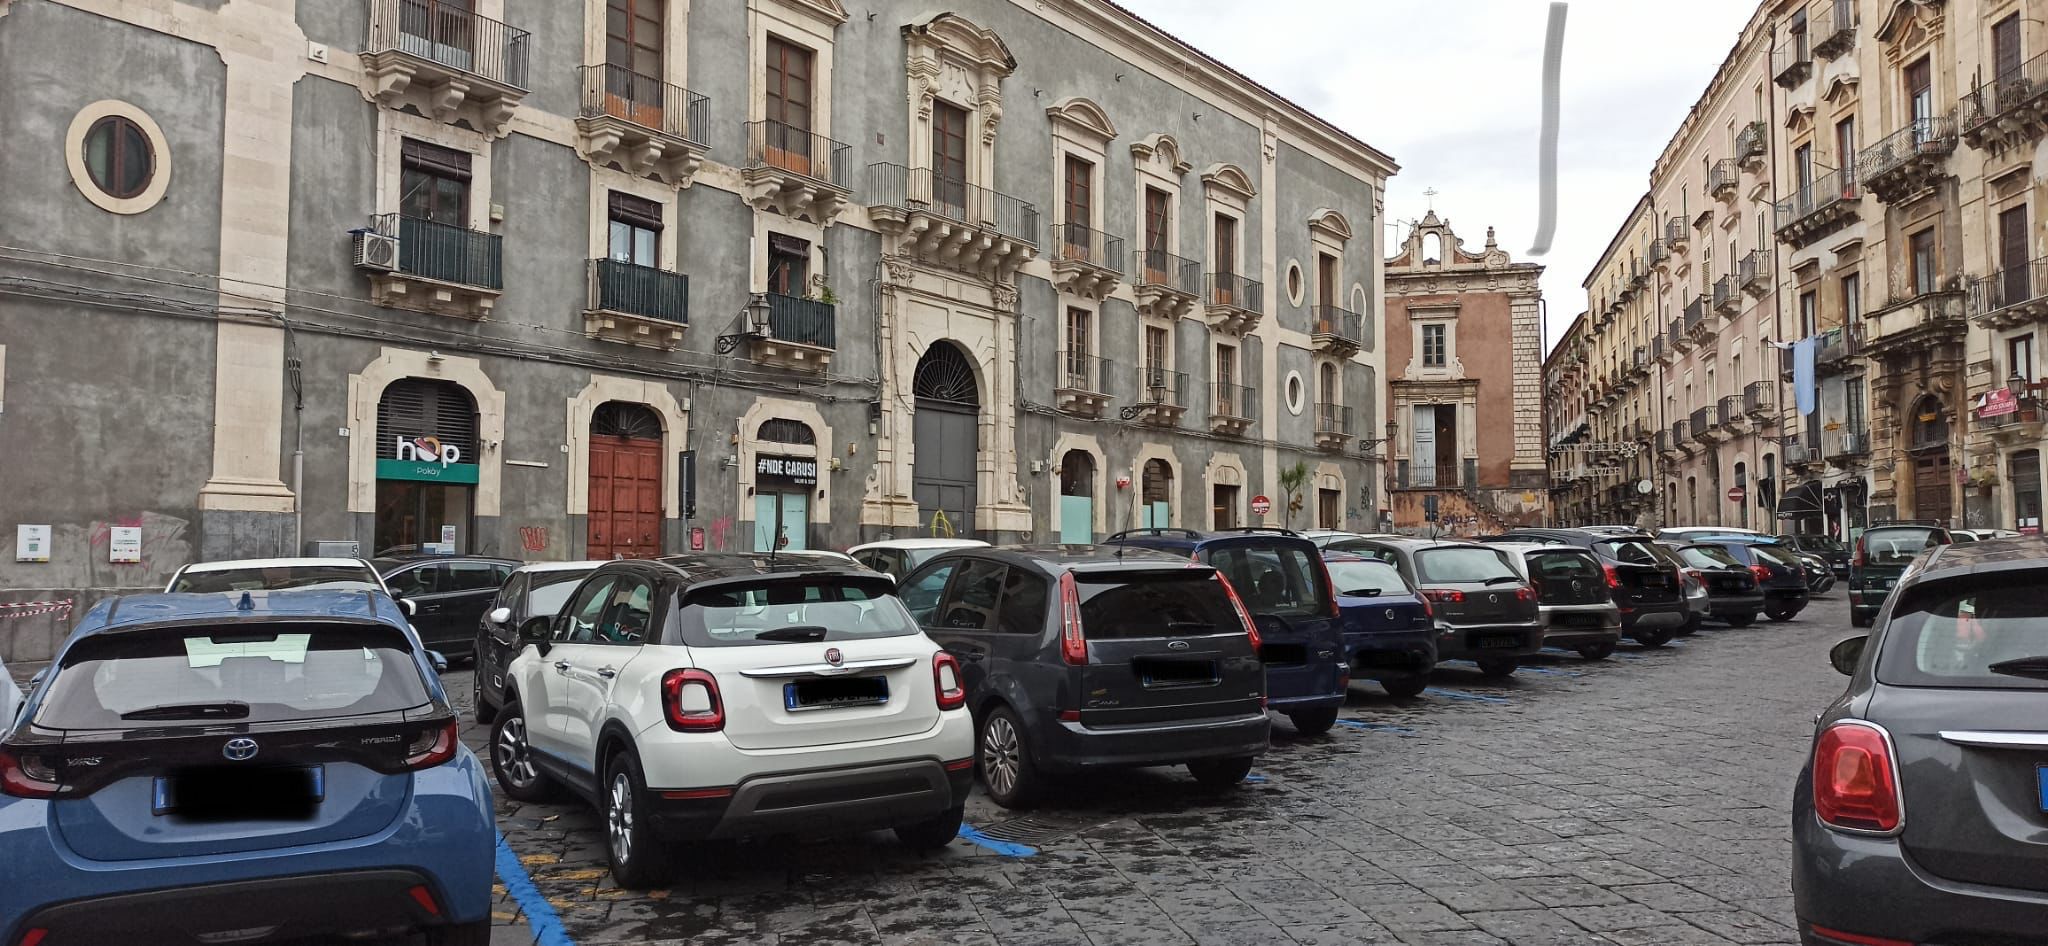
(728, 462)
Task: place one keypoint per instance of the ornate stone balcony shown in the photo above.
(952, 223)
(642, 125)
(794, 172)
(445, 61)
(1086, 262)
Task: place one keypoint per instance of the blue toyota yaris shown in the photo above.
(242, 768)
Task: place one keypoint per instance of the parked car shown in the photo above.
(1083, 657)
(533, 594)
(1685, 535)
(1943, 710)
(1649, 590)
(1779, 571)
(10, 697)
(1734, 593)
(1485, 611)
(1981, 535)
(719, 695)
(1830, 549)
(1698, 603)
(900, 557)
(179, 776)
(1572, 598)
(277, 574)
(1882, 553)
(1281, 579)
(448, 595)
(1819, 576)
(1324, 538)
(1389, 634)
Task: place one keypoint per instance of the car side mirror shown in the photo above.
(37, 680)
(1847, 654)
(499, 616)
(439, 660)
(535, 631)
(410, 608)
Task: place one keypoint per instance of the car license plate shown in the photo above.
(2041, 776)
(834, 693)
(1575, 620)
(227, 793)
(1498, 641)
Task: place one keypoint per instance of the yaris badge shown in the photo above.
(239, 749)
(834, 657)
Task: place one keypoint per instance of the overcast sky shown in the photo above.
(1453, 90)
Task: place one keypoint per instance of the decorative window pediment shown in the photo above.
(1163, 153)
(1083, 118)
(1330, 223)
(830, 13)
(1231, 180)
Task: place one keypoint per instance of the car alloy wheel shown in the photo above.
(618, 816)
(515, 760)
(999, 753)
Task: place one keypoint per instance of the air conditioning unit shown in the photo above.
(376, 251)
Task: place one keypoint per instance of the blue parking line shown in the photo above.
(1376, 727)
(1549, 671)
(1254, 778)
(973, 835)
(540, 914)
(1462, 695)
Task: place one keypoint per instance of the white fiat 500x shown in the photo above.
(725, 695)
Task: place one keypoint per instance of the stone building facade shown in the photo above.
(1567, 427)
(598, 277)
(1616, 454)
(1465, 378)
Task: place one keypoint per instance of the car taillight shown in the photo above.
(1856, 778)
(33, 937)
(1858, 560)
(1251, 628)
(1073, 647)
(1428, 612)
(1329, 589)
(1762, 573)
(946, 681)
(1855, 939)
(1525, 593)
(1443, 595)
(1613, 575)
(433, 747)
(689, 698)
(27, 776)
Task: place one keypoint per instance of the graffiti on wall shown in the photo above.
(533, 538)
(721, 533)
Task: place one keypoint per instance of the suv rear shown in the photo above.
(1828, 548)
(1881, 555)
(1649, 591)
(1484, 610)
(1780, 573)
(1733, 592)
(1082, 657)
(1281, 578)
(1572, 598)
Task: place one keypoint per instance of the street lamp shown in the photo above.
(1366, 444)
(2016, 384)
(753, 324)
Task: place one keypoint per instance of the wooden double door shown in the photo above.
(625, 497)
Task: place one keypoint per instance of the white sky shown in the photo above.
(1452, 89)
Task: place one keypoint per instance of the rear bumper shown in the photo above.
(1462, 641)
(832, 801)
(1571, 626)
(1318, 683)
(1871, 887)
(268, 910)
(1070, 745)
(1650, 617)
(1724, 605)
(1796, 597)
(1392, 655)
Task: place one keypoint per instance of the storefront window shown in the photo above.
(426, 468)
(783, 487)
(2026, 491)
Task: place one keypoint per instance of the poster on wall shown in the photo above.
(31, 543)
(780, 472)
(124, 545)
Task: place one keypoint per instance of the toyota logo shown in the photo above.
(239, 749)
(834, 657)
(1177, 645)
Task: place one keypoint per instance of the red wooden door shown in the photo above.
(625, 497)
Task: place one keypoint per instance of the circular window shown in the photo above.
(118, 157)
(1293, 282)
(1296, 392)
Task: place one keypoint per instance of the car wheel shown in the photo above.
(1597, 651)
(1313, 722)
(1406, 688)
(1652, 638)
(934, 833)
(637, 858)
(484, 712)
(1498, 667)
(512, 758)
(1219, 774)
(1006, 768)
(1781, 612)
(461, 934)
(1741, 620)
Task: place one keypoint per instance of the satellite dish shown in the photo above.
(1645, 487)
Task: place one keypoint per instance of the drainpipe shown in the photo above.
(293, 375)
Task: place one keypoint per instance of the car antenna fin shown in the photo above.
(248, 602)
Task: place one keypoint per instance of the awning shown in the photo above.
(1801, 500)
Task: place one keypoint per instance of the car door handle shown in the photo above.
(607, 672)
(561, 666)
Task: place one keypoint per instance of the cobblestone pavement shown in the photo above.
(1636, 801)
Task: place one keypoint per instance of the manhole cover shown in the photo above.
(1033, 830)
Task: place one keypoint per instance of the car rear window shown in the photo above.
(1277, 580)
(1627, 551)
(1951, 633)
(1776, 555)
(1180, 603)
(1817, 543)
(271, 673)
(1463, 565)
(793, 610)
(1709, 556)
(304, 577)
(1563, 566)
(551, 590)
(1898, 546)
(1367, 579)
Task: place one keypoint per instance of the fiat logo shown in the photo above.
(1493, 599)
(1177, 645)
(834, 657)
(239, 749)
(1390, 614)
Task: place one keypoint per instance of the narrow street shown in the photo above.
(1640, 800)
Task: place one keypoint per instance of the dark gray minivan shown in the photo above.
(1091, 657)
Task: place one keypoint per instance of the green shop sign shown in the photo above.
(431, 471)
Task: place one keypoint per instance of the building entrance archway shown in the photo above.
(947, 433)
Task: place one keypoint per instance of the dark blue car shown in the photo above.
(1281, 578)
(1388, 635)
(251, 767)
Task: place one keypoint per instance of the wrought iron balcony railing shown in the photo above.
(803, 321)
(772, 144)
(1792, 61)
(1722, 178)
(1333, 419)
(1677, 230)
(1929, 137)
(1160, 268)
(1080, 371)
(1234, 400)
(619, 286)
(1341, 324)
(646, 101)
(1071, 241)
(1237, 291)
(444, 252)
(1753, 271)
(2025, 285)
(1759, 398)
(1158, 386)
(893, 185)
(1827, 192)
(447, 32)
(1752, 141)
(1729, 410)
(1838, 31)
(2007, 92)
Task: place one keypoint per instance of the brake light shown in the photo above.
(433, 747)
(946, 681)
(1856, 779)
(1428, 612)
(1525, 594)
(689, 698)
(1073, 647)
(1251, 629)
(1613, 575)
(1762, 573)
(425, 898)
(27, 776)
(1856, 939)
(1070, 716)
(34, 936)
(1329, 588)
(1858, 560)
(1443, 595)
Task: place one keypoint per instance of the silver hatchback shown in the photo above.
(1572, 600)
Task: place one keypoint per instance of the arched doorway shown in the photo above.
(1155, 495)
(1927, 443)
(426, 467)
(785, 477)
(1077, 498)
(947, 434)
(625, 481)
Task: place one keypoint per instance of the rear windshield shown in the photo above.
(1708, 556)
(794, 610)
(1950, 634)
(331, 577)
(1367, 579)
(1563, 566)
(551, 590)
(1897, 546)
(1776, 555)
(1463, 565)
(257, 674)
(1283, 581)
(1628, 551)
(1180, 603)
(1817, 543)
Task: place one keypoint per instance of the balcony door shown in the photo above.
(2005, 50)
(787, 143)
(789, 264)
(1920, 98)
(2014, 278)
(1158, 208)
(1079, 209)
(1156, 353)
(633, 36)
(947, 438)
(949, 159)
(1225, 260)
(441, 30)
(1079, 367)
(433, 207)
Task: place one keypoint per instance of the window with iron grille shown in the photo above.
(417, 408)
(784, 430)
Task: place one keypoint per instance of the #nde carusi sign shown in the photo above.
(780, 471)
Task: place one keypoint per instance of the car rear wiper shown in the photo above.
(796, 634)
(1184, 627)
(1362, 593)
(230, 709)
(2022, 667)
(1498, 579)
